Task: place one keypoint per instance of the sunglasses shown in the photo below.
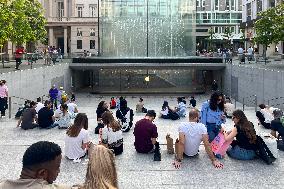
(220, 99)
(233, 117)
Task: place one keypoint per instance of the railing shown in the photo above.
(15, 100)
(277, 102)
(72, 19)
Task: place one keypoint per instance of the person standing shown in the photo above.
(53, 94)
(250, 54)
(3, 97)
(241, 55)
(212, 114)
(191, 134)
(18, 56)
(214, 85)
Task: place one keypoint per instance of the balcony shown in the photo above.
(61, 21)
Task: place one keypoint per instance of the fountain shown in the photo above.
(153, 28)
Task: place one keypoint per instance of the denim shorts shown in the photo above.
(241, 153)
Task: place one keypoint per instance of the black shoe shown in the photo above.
(157, 153)
(157, 156)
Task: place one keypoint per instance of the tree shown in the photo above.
(21, 21)
(270, 27)
(227, 34)
(210, 38)
(6, 26)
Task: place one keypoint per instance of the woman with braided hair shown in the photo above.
(245, 143)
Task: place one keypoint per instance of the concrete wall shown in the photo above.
(33, 83)
(246, 81)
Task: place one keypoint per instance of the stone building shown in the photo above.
(72, 25)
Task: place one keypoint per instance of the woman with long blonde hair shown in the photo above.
(77, 138)
(101, 171)
(112, 133)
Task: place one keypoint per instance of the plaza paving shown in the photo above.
(138, 170)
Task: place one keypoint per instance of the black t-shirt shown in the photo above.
(100, 112)
(276, 125)
(45, 117)
(243, 140)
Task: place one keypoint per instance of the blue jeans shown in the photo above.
(241, 153)
(212, 130)
(52, 126)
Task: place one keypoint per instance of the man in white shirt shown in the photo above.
(241, 54)
(39, 105)
(191, 134)
(250, 53)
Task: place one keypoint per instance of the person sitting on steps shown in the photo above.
(191, 134)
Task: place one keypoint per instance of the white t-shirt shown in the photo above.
(113, 139)
(71, 107)
(193, 136)
(165, 112)
(73, 145)
(39, 106)
(267, 115)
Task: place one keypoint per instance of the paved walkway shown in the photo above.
(10, 66)
(137, 170)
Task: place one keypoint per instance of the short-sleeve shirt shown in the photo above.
(71, 107)
(112, 138)
(45, 117)
(39, 106)
(73, 145)
(144, 130)
(28, 118)
(276, 125)
(193, 136)
(100, 112)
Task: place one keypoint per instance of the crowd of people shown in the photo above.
(41, 160)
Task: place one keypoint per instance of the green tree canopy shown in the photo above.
(21, 21)
(270, 27)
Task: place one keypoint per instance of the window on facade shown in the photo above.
(93, 10)
(79, 44)
(92, 32)
(79, 32)
(216, 4)
(249, 9)
(233, 29)
(198, 3)
(271, 3)
(216, 29)
(259, 6)
(60, 9)
(227, 5)
(203, 5)
(80, 11)
(92, 44)
(233, 5)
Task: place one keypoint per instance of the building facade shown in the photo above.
(72, 25)
(249, 15)
(217, 16)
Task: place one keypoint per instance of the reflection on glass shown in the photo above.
(157, 28)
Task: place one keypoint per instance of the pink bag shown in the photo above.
(219, 145)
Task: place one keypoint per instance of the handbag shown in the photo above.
(124, 125)
(280, 143)
(219, 145)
